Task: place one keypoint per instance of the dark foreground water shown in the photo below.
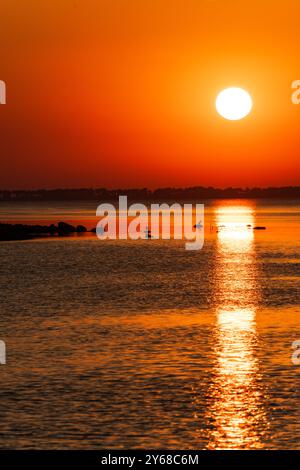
(142, 344)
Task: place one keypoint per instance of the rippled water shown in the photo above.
(142, 344)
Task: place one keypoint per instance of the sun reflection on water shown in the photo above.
(236, 416)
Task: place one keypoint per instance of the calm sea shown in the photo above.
(142, 344)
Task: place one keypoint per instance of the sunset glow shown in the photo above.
(122, 93)
(149, 230)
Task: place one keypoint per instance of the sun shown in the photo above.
(234, 103)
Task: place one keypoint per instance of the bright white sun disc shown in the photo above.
(234, 103)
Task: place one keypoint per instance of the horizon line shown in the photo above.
(159, 188)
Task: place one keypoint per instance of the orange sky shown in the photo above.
(120, 93)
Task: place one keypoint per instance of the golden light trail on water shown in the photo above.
(237, 412)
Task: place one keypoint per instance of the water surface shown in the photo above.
(142, 344)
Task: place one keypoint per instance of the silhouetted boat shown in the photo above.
(259, 228)
(198, 225)
(147, 233)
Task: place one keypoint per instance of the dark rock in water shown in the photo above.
(24, 232)
(81, 229)
(53, 229)
(63, 227)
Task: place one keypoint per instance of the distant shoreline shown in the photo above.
(145, 194)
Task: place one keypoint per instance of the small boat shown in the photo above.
(260, 228)
(147, 233)
(198, 225)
